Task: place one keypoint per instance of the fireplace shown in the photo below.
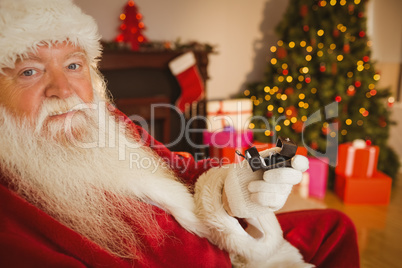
(139, 80)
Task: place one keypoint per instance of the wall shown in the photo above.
(385, 29)
(241, 30)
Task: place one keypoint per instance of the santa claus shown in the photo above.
(82, 186)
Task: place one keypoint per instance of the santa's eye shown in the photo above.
(73, 66)
(29, 72)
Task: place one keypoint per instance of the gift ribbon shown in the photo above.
(371, 167)
(220, 112)
(351, 160)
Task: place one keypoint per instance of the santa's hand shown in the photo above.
(248, 194)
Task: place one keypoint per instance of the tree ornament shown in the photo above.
(281, 53)
(360, 15)
(391, 101)
(366, 58)
(323, 67)
(351, 8)
(382, 122)
(358, 83)
(362, 34)
(289, 91)
(306, 28)
(298, 126)
(334, 68)
(291, 111)
(303, 11)
(351, 91)
(346, 48)
(269, 114)
(322, 3)
(336, 33)
(314, 145)
(345, 109)
(336, 124)
(325, 130)
(313, 42)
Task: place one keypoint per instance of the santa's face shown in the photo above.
(56, 72)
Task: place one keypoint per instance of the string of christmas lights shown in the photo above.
(322, 57)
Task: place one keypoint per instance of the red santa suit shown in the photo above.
(31, 238)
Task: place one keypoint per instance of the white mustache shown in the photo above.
(53, 107)
(57, 107)
(64, 111)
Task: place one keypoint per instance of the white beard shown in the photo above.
(67, 176)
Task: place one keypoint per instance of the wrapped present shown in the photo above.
(228, 138)
(223, 144)
(234, 112)
(318, 171)
(261, 146)
(227, 155)
(357, 160)
(375, 190)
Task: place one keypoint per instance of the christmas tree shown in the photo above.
(322, 63)
(132, 27)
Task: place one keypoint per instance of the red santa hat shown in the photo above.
(27, 24)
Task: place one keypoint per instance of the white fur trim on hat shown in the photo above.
(27, 24)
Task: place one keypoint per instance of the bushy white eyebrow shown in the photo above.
(77, 54)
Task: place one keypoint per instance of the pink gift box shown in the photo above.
(318, 172)
(229, 138)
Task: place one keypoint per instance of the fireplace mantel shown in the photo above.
(112, 60)
(133, 76)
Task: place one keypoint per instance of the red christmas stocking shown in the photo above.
(186, 71)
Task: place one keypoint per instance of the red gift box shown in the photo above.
(375, 190)
(224, 144)
(354, 160)
(227, 155)
(261, 146)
